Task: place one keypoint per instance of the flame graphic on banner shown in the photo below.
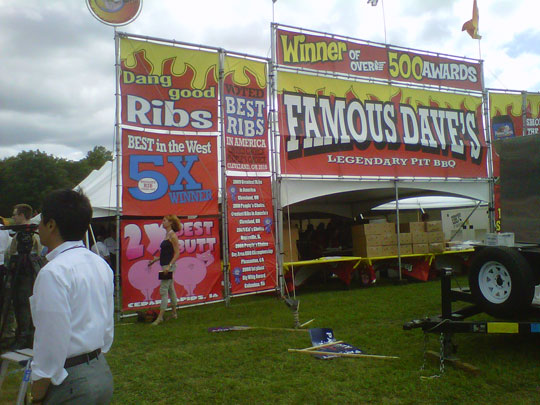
(186, 79)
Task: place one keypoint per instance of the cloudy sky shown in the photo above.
(57, 61)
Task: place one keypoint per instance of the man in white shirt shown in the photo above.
(99, 248)
(72, 309)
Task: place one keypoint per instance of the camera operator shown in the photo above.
(24, 263)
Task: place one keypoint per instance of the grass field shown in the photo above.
(180, 362)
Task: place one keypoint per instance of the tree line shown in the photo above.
(29, 176)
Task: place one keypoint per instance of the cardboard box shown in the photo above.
(419, 237)
(389, 250)
(413, 227)
(405, 238)
(500, 239)
(377, 228)
(434, 226)
(367, 251)
(434, 237)
(370, 240)
(388, 239)
(406, 249)
(420, 248)
(437, 247)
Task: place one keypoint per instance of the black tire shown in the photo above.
(501, 282)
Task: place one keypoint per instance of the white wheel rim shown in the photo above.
(494, 282)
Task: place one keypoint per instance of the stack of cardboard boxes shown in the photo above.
(426, 237)
(380, 239)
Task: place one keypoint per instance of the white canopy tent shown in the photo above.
(430, 202)
(100, 187)
(349, 197)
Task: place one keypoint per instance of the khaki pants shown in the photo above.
(166, 289)
(86, 384)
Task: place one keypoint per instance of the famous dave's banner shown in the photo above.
(169, 174)
(252, 255)
(167, 87)
(332, 54)
(245, 113)
(198, 277)
(343, 128)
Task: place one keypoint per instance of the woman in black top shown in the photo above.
(169, 253)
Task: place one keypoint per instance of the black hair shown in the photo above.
(71, 211)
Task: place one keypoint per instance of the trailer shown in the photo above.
(502, 278)
(504, 272)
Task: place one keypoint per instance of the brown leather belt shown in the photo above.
(81, 358)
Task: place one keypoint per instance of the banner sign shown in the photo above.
(168, 87)
(245, 113)
(343, 128)
(332, 54)
(532, 114)
(169, 174)
(198, 277)
(512, 114)
(251, 234)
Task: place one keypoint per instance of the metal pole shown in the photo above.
(117, 134)
(274, 146)
(487, 138)
(224, 210)
(524, 113)
(397, 228)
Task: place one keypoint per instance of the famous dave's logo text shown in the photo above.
(317, 124)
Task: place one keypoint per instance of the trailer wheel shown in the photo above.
(501, 282)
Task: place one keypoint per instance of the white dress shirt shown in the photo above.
(72, 309)
(111, 245)
(99, 248)
(5, 241)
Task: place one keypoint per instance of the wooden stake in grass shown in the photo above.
(234, 328)
(323, 353)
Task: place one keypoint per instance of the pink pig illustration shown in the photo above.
(190, 271)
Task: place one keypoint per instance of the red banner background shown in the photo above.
(252, 255)
(169, 174)
(198, 277)
(331, 54)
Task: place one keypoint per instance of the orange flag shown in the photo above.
(471, 26)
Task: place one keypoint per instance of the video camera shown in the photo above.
(23, 236)
(20, 228)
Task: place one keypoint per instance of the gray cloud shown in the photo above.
(525, 42)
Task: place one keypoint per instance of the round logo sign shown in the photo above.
(147, 185)
(115, 12)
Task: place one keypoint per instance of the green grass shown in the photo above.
(181, 362)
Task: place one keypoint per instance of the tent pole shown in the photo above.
(397, 228)
(276, 179)
(118, 172)
(489, 143)
(224, 199)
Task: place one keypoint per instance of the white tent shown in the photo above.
(349, 197)
(430, 202)
(100, 187)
